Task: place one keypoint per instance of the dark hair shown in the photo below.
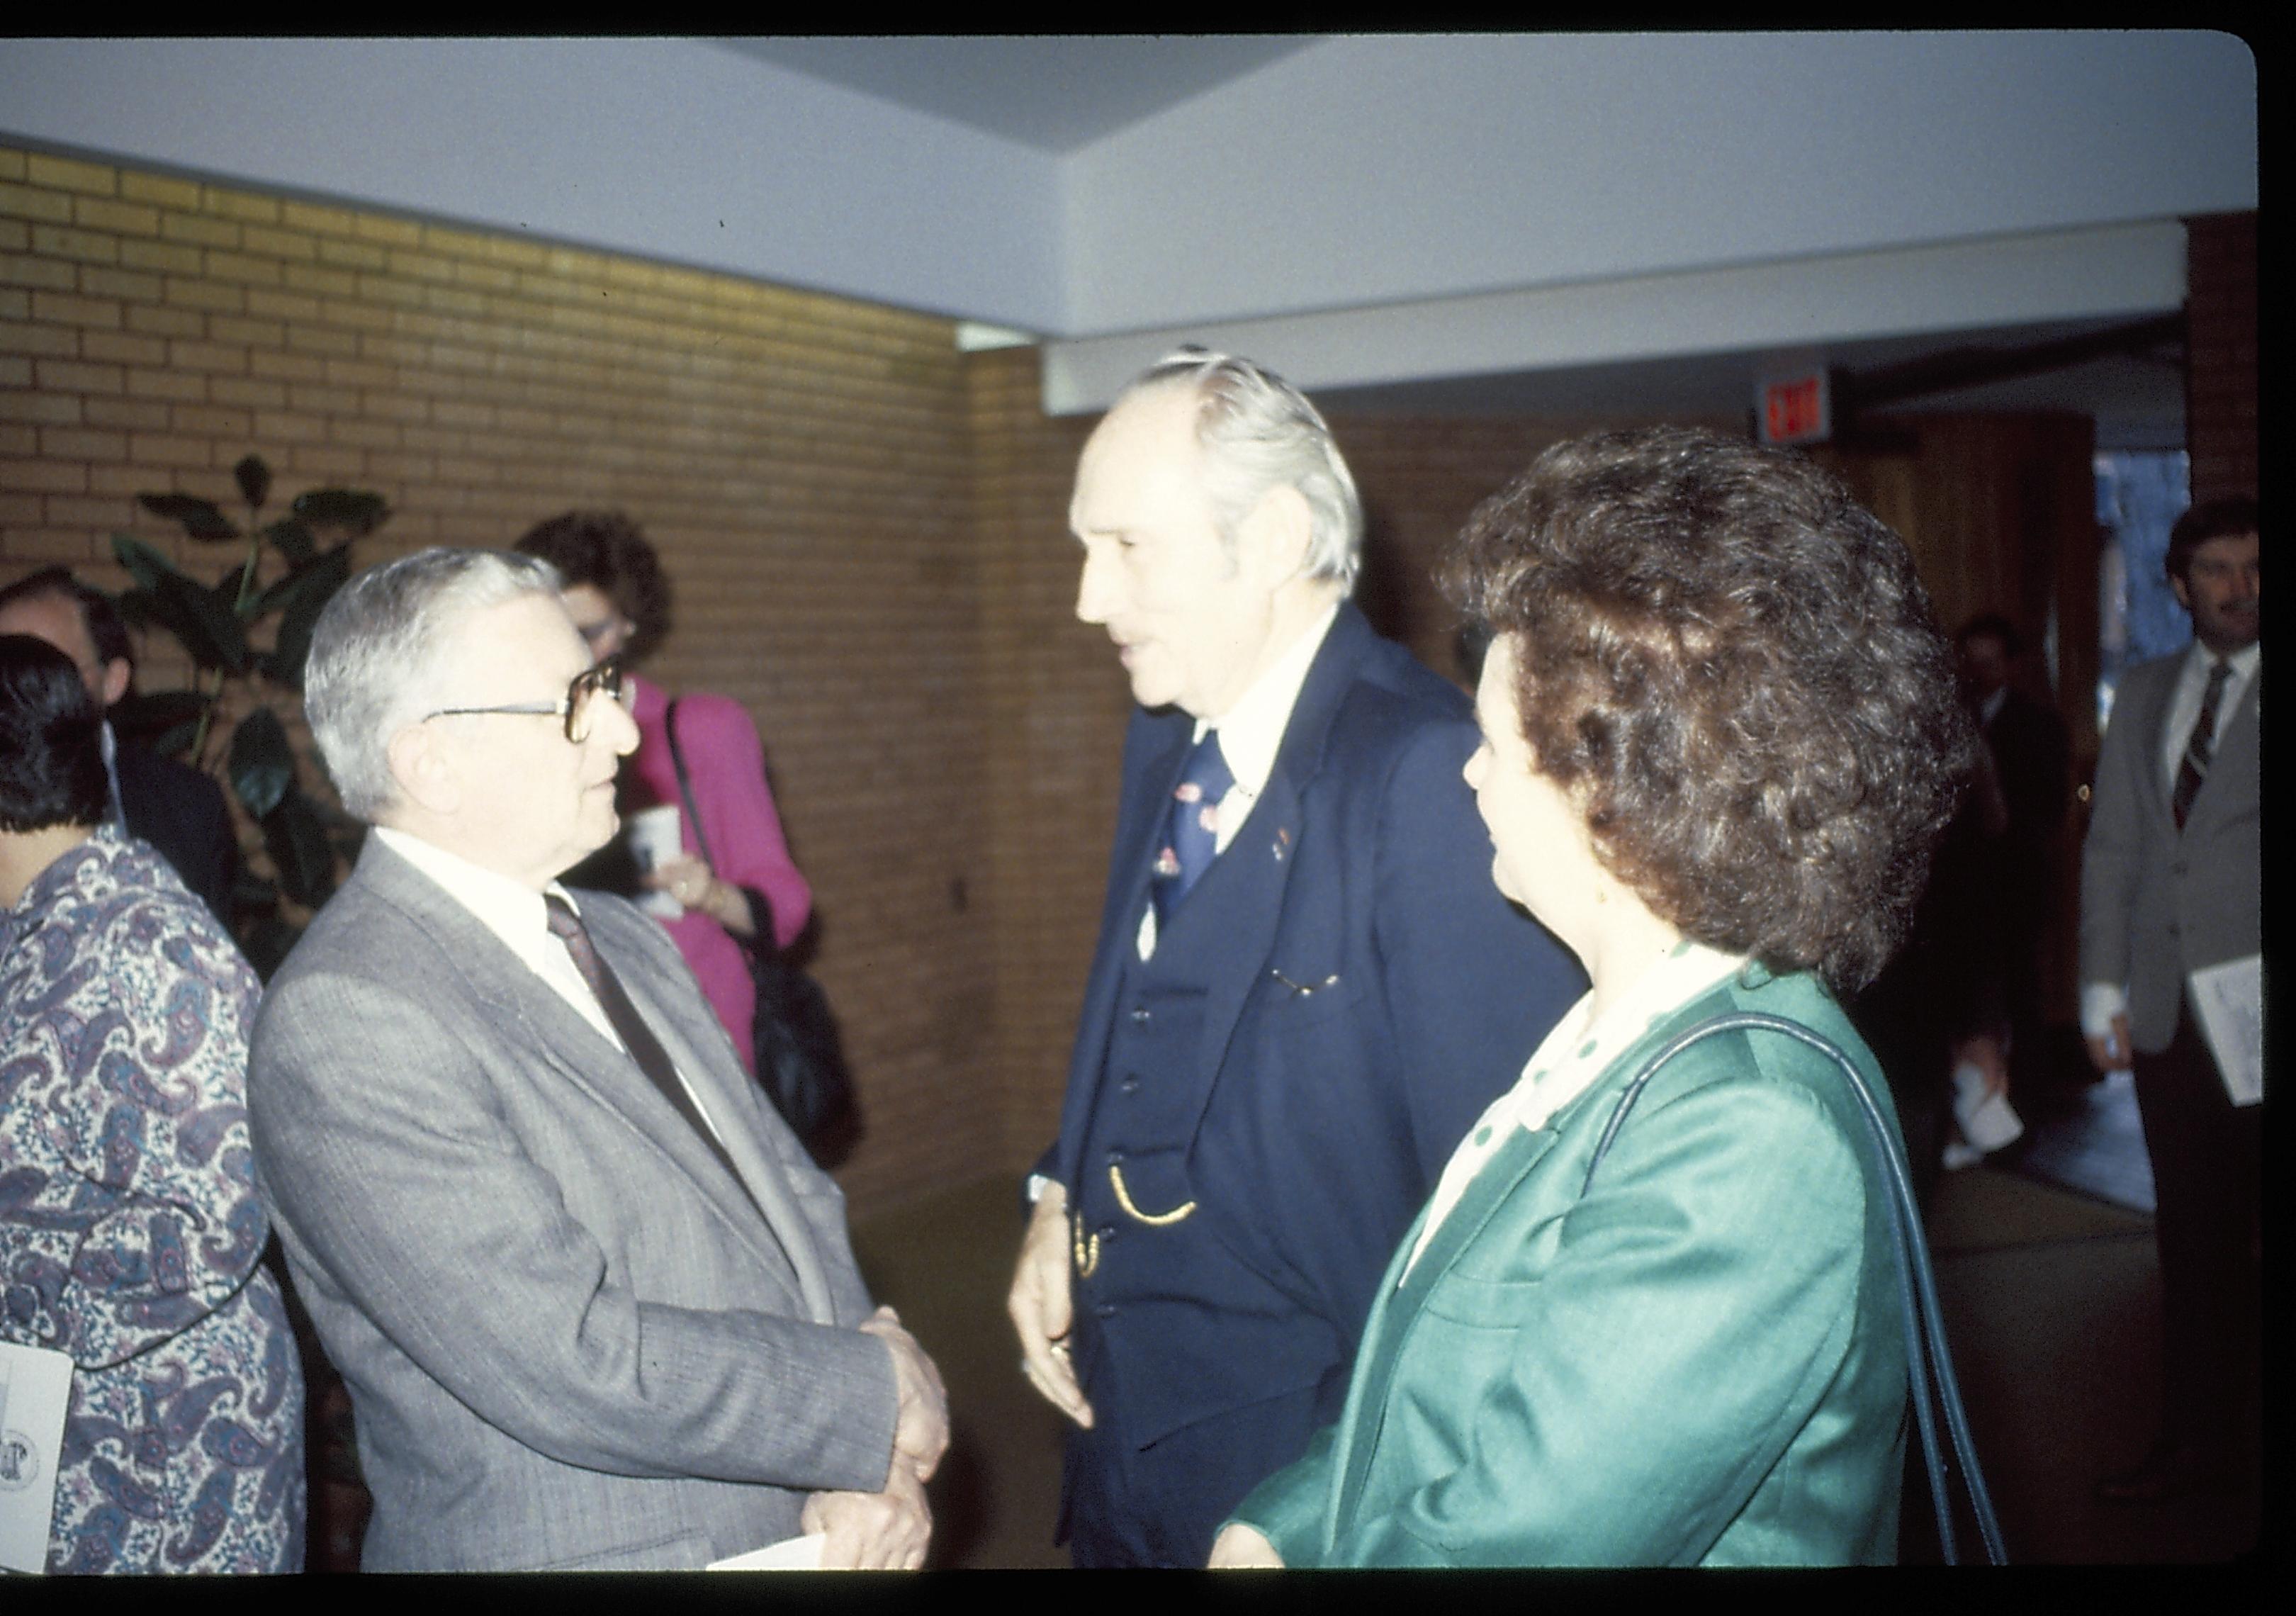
(105, 631)
(1991, 626)
(2217, 519)
(1733, 669)
(606, 550)
(50, 740)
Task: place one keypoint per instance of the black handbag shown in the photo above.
(800, 1061)
(1929, 1363)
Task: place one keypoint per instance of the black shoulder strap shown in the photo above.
(1927, 1361)
(686, 785)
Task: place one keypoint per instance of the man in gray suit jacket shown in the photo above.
(2171, 882)
(595, 1306)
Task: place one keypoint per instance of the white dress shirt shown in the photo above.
(2192, 690)
(516, 914)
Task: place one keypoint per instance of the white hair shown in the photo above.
(1259, 432)
(379, 659)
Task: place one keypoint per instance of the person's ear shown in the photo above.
(1277, 533)
(117, 673)
(2184, 596)
(425, 776)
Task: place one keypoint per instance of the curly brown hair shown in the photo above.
(1733, 669)
(607, 550)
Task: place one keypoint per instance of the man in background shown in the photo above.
(1306, 988)
(2171, 882)
(177, 808)
(2031, 760)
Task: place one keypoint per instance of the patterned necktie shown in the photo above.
(2194, 768)
(1192, 828)
(636, 1037)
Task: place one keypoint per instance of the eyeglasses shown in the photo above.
(575, 706)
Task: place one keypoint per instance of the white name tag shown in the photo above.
(35, 1391)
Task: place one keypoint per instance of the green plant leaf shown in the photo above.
(353, 511)
(262, 762)
(200, 517)
(176, 742)
(209, 632)
(297, 841)
(226, 592)
(291, 539)
(300, 596)
(143, 718)
(254, 479)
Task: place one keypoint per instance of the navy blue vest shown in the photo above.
(1142, 1249)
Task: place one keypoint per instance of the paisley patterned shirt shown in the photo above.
(130, 1231)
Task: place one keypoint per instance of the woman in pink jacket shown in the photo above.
(620, 601)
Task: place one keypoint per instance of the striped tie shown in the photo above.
(2194, 768)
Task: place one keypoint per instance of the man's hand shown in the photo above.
(885, 1531)
(920, 1418)
(1039, 1305)
(1240, 1547)
(2112, 1052)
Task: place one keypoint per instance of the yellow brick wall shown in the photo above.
(801, 461)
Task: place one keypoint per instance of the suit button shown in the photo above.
(1140, 1014)
(1108, 1231)
(1130, 1086)
(1106, 1309)
(1116, 1155)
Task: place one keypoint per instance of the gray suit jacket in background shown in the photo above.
(2158, 903)
(570, 1339)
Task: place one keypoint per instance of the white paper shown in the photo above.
(654, 840)
(35, 1391)
(1987, 1120)
(2230, 1000)
(790, 1554)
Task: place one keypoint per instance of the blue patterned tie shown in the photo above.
(1192, 828)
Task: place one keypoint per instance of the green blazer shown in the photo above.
(1699, 1361)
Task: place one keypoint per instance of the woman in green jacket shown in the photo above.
(1720, 738)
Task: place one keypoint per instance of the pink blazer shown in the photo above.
(727, 769)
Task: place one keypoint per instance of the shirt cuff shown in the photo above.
(2100, 1001)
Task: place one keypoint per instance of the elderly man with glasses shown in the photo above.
(596, 1306)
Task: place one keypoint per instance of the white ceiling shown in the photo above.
(1054, 91)
(1623, 221)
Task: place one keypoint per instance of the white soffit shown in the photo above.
(2089, 272)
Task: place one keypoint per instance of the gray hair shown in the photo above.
(1259, 432)
(379, 659)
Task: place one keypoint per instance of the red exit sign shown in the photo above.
(1796, 409)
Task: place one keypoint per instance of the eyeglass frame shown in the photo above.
(607, 678)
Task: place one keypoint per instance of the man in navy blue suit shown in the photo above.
(1305, 988)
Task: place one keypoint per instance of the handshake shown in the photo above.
(888, 1531)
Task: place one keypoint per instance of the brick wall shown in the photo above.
(2220, 334)
(800, 461)
(866, 532)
